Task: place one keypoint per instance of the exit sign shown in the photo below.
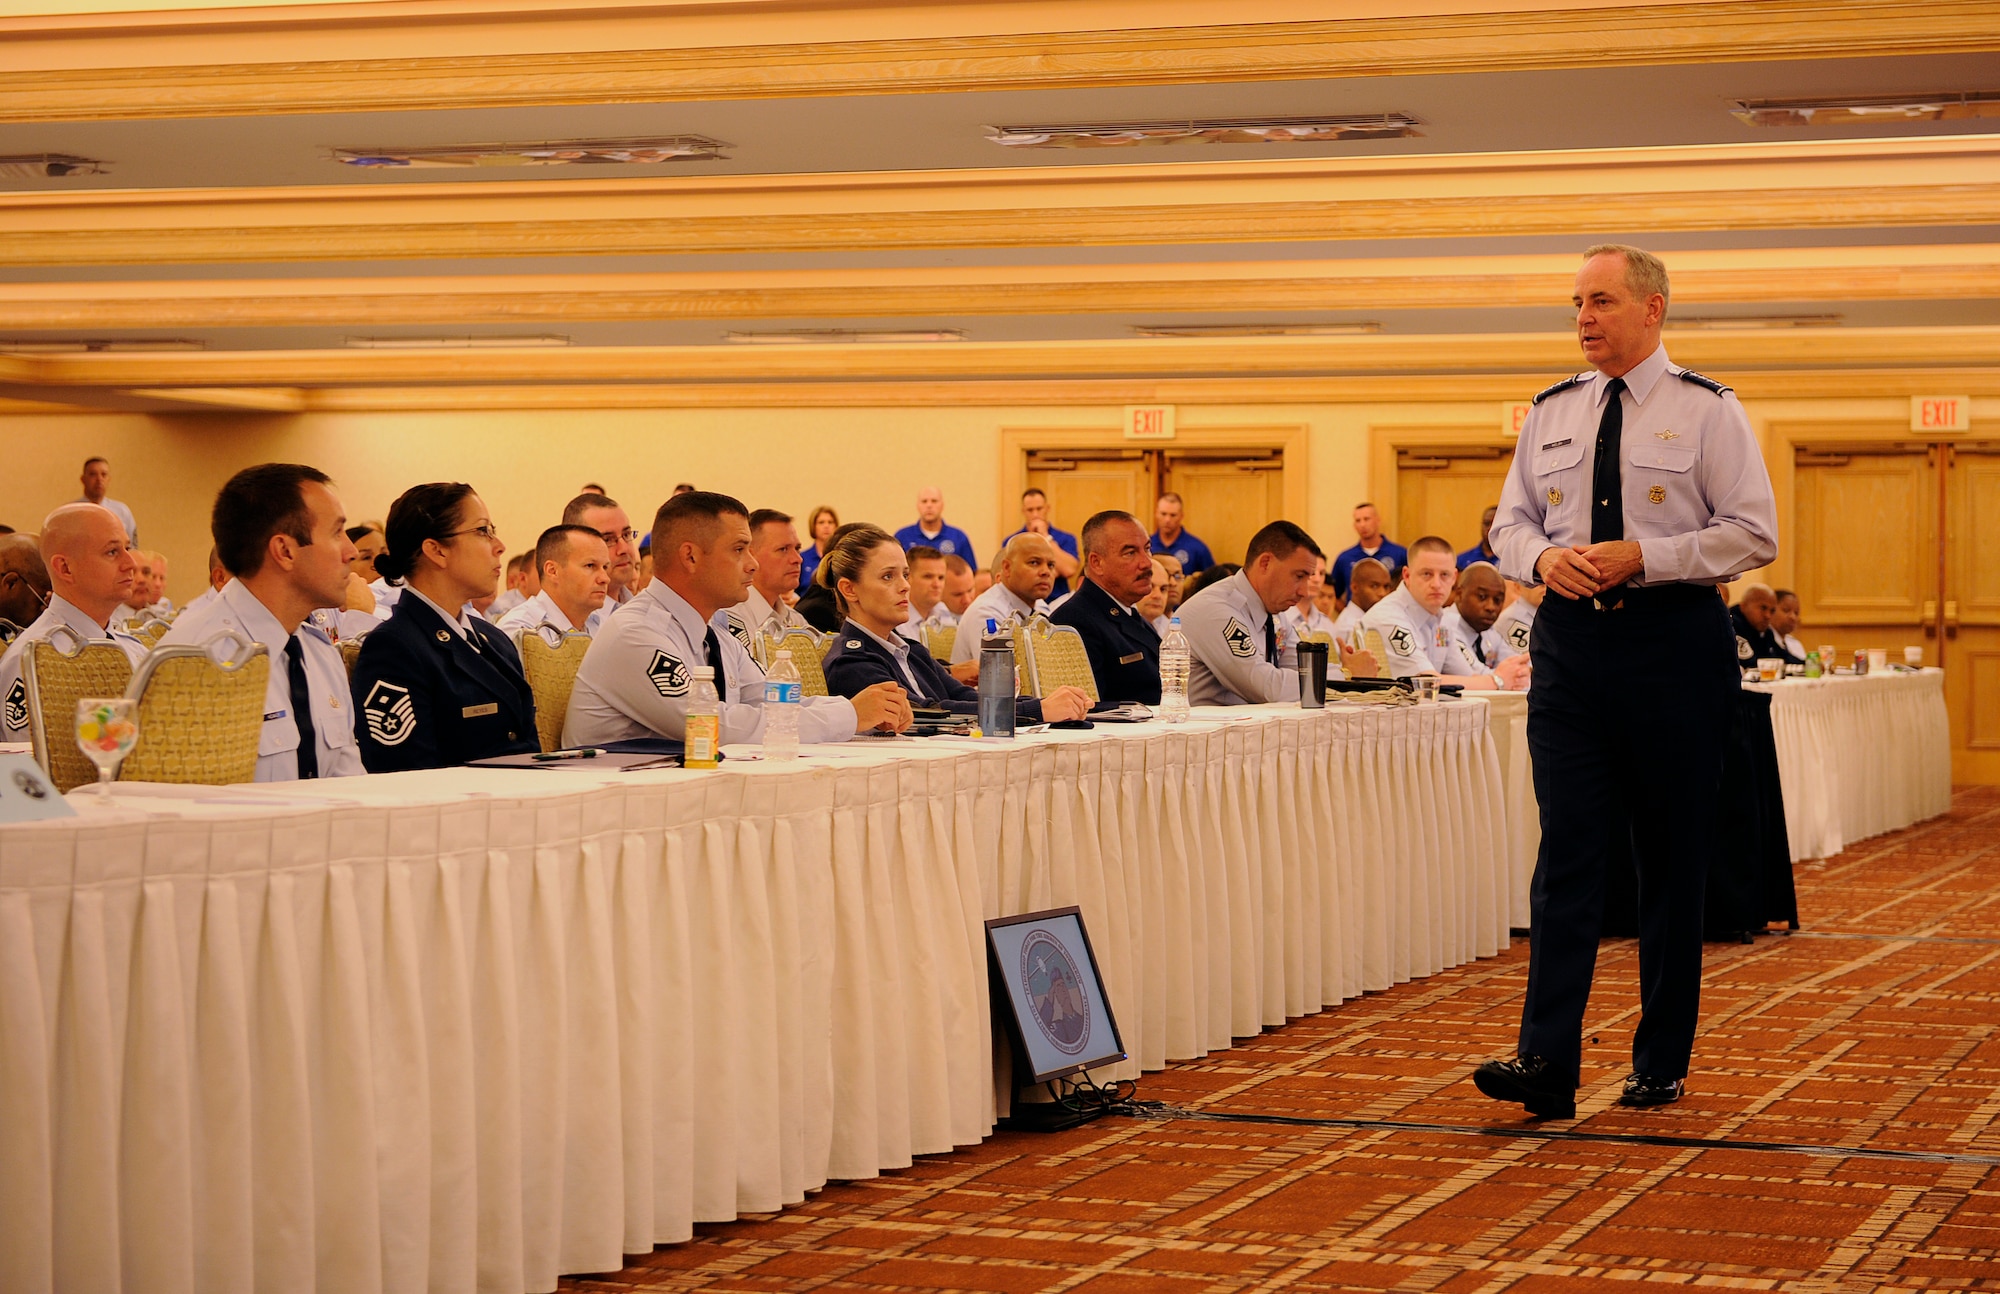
(1149, 422)
(1940, 413)
(1513, 415)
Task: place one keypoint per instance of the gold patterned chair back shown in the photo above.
(59, 671)
(808, 650)
(550, 659)
(1318, 636)
(1059, 658)
(199, 719)
(939, 640)
(151, 632)
(350, 651)
(1371, 642)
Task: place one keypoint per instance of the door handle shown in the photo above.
(1951, 618)
(1930, 617)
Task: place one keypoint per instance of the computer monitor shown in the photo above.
(1045, 974)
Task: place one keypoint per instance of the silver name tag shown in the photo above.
(1558, 444)
(480, 711)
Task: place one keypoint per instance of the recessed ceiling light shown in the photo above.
(455, 343)
(573, 152)
(1727, 323)
(47, 166)
(1258, 329)
(1962, 106)
(808, 336)
(1249, 130)
(34, 347)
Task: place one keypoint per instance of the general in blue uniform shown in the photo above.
(434, 693)
(1634, 490)
(1123, 648)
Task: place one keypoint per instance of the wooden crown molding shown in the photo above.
(1936, 272)
(1934, 181)
(487, 56)
(1935, 349)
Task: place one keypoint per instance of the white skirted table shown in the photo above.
(1859, 755)
(471, 1029)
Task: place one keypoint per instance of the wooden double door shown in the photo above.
(1227, 493)
(1896, 543)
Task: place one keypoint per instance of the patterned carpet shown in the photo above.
(1839, 1134)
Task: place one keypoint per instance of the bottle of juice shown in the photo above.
(704, 722)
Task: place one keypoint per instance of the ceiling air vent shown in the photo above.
(1956, 106)
(47, 166)
(1247, 130)
(573, 152)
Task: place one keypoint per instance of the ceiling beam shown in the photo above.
(1744, 188)
(453, 56)
(1919, 272)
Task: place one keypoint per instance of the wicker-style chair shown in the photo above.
(1371, 640)
(151, 632)
(550, 659)
(808, 649)
(939, 640)
(1058, 659)
(9, 631)
(200, 719)
(59, 671)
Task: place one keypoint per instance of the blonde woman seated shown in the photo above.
(870, 579)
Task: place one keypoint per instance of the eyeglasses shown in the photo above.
(41, 599)
(613, 536)
(487, 532)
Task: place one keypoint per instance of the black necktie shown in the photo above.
(302, 714)
(1607, 501)
(1270, 640)
(1479, 648)
(715, 661)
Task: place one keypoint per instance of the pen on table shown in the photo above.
(581, 752)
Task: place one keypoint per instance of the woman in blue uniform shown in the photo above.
(870, 579)
(436, 686)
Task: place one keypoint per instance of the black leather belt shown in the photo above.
(1659, 596)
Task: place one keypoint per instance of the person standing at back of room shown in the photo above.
(1635, 489)
(1369, 543)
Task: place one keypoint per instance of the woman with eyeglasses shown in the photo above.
(434, 687)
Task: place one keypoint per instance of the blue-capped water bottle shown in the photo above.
(996, 682)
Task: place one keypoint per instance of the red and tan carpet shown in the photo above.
(1840, 1134)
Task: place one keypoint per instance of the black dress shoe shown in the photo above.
(1642, 1090)
(1531, 1081)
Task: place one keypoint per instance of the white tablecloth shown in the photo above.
(1524, 817)
(470, 1029)
(1859, 756)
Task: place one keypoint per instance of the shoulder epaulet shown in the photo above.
(1563, 385)
(1689, 375)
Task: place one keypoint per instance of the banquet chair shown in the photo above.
(939, 640)
(151, 632)
(1372, 640)
(808, 649)
(9, 631)
(1060, 659)
(59, 671)
(200, 720)
(550, 659)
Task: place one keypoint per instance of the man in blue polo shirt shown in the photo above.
(1368, 529)
(1035, 520)
(931, 531)
(1170, 540)
(1483, 550)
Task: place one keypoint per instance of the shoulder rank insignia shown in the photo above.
(1689, 375)
(389, 713)
(17, 704)
(1238, 638)
(1402, 641)
(1744, 651)
(853, 643)
(1517, 635)
(667, 675)
(738, 630)
(1563, 385)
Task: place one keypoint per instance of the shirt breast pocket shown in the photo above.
(1557, 459)
(1660, 456)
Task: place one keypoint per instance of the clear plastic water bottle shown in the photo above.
(996, 682)
(784, 693)
(1175, 662)
(703, 730)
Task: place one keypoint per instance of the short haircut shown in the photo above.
(573, 510)
(1093, 529)
(355, 534)
(956, 565)
(95, 458)
(1170, 495)
(1645, 273)
(1784, 593)
(697, 510)
(422, 512)
(1363, 504)
(215, 562)
(1213, 575)
(517, 562)
(6, 529)
(553, 545)
(1280, 539)
(924, 553)
(1433, 544)
(1374, 568)
(1033, 489)
(257, 503)
(768, 517)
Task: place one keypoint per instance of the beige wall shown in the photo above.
(867, 462)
